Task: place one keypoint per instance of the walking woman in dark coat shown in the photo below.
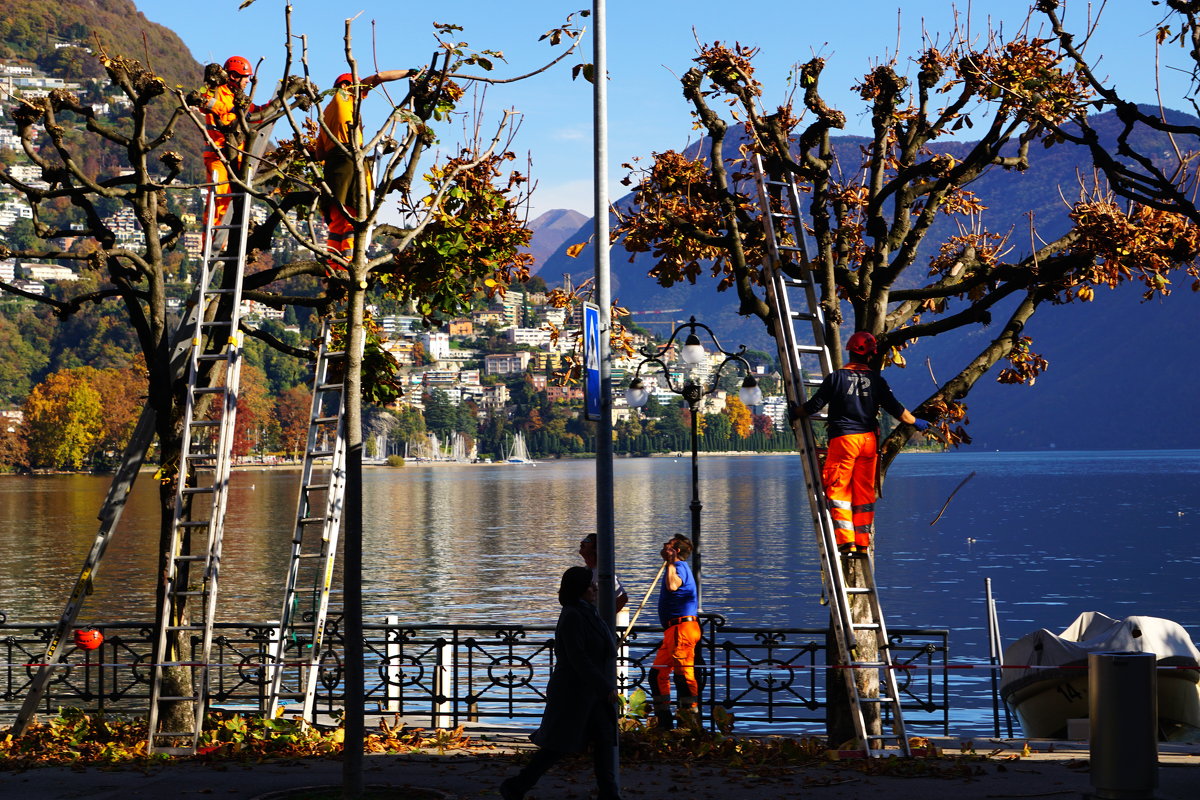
(581, 697)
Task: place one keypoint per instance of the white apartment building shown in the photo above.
(506, 363)
(13, 210)
(776, 408)
(534, 337)
(49, 272)
(253, 308)
(436, 344)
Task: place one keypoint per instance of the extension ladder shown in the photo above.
(110, 514)
(188, 607)
(132, 459)
(315, 535)
(805, 361)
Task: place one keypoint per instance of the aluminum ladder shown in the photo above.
(314, 537)
(805, 361)
(110, 514)
(126, 474)
(210, 414)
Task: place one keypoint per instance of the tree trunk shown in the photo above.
(175, 715)
(352, 623)
(839, 719)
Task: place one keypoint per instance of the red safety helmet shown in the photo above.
(345, 79)
(861, 343)
(88, 638)
(238, 67)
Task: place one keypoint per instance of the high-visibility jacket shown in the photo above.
(219, 115)
(339, 170)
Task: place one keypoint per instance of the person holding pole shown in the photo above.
(677, 609)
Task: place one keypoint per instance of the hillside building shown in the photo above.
(506, 363)
(436, 344)
(48, 272)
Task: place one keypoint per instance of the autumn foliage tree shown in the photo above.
(869, 213)
(868, 219)
(740, 418)
(294, 408)
(433, 258)
(1165, 179)
(75, 416)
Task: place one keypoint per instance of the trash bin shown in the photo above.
(1123, 707)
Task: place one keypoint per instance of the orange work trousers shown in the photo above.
(219, 176)
(849, 476)
(677, 654)
(340, 239)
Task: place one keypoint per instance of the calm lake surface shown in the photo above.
(1058, 534)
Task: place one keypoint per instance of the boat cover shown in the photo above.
(1093, 632)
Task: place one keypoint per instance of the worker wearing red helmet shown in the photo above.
(854, 394)
(342, 121)
(220, 116)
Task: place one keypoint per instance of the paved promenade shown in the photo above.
(1055, 770)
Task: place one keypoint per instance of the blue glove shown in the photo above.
(921, 425)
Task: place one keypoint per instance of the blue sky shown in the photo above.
(649, 45)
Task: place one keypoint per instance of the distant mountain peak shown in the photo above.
(551, 231)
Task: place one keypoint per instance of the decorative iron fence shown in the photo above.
(444, 675)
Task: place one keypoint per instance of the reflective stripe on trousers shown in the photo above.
(849, 476)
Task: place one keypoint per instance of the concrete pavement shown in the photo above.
(1053, 769)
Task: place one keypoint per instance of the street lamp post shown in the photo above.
(693, 391)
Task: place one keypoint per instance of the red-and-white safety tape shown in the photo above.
(699, 667)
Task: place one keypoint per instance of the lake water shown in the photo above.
(1058, 534)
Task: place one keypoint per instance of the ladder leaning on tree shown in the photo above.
(315, 535)
(182, 362)
(189, 603)
(805, 361)
(110, 514)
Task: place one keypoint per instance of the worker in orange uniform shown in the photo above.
(854, 395)
(678, 605)
(219, 104)
(342, 119)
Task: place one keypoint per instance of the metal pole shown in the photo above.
(696, 506)
(605, 526)
(998, 647)
(993, 657)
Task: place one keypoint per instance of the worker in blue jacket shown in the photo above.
(854, 394)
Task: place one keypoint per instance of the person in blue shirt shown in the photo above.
(677, 607)
(854, 394)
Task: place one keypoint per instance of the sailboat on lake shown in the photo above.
(518, 454)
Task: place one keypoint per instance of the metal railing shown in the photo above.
(771, 679)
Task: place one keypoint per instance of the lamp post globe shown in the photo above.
(693, 392)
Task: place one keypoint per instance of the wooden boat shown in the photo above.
(1044, 699)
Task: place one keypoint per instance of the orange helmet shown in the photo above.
(238, 67)
(88, 638)
(862, 343)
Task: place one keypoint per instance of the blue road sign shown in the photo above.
(591, 361)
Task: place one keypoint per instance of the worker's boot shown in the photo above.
(662, 711)
(689, 714)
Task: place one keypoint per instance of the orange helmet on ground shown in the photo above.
(862, 343)
(238, 67)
